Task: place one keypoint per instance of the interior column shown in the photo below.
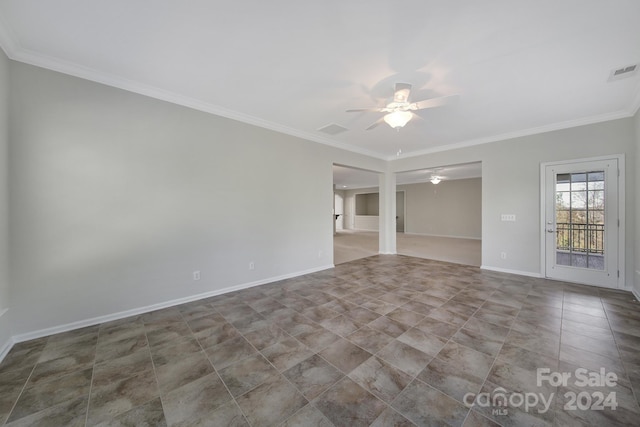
(387, 226)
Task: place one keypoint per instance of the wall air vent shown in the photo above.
(623, 73)
(333, 129)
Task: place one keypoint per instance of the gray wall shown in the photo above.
(511, 185)
(117, 198)
(350, 208)
(451, 208)
(368, 204)
(5, 327)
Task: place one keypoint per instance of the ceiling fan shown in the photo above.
(399, 111)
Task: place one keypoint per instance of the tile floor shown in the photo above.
(382, 341)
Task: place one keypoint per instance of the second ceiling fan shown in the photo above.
(399, 111)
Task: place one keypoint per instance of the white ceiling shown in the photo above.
(296, 66)
(347, 178)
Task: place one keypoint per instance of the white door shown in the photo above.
(582, 222)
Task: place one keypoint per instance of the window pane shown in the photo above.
(579, 217)
(596, 180)
(596, 199)
(596, 217)
(579, 199)
(578, 177)
(563, 199)
(578, 186)
(596, 176)
(578, 238)
(562, 217)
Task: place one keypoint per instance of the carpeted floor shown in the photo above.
(349, 245)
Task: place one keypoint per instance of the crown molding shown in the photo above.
(16, 53)
(635, 106)
(518, 134)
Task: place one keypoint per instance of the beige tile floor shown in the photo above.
(382, 341)
(349, 245)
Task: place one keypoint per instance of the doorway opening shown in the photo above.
(442, 213)
(356, 213)
(400, 211)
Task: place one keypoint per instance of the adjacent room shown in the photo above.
(336, 213)
(357, 213)
(438, 214)
(442, 213)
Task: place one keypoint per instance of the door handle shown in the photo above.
(550, 230)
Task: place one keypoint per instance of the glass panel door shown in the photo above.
(581, 227)
(580, 219)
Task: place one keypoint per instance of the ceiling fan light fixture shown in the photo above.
(435, 180)
(398, 119)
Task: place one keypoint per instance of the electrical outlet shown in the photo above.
(252, 266)
(503, 255)
(196, 275)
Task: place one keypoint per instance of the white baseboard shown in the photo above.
(509, 271)
(635, 286)
(141, 310)
(6, 348)
(8, 344)
(442, 235)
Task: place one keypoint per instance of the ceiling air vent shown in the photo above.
(623, 73)
(333, 129)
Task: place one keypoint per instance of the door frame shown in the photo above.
(622, 284)
(404, 209)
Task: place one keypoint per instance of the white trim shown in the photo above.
(633, 287)
(17, 53)
(636, 104)
(387, 253)
(443, 235)
(141, 310)
(404, 210)
(622, 114)
(6, 348)
(620, 158)
(86, 73)
(509, 271)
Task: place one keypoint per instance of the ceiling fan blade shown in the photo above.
(402, 92)
(357, 110)
(376, 123)
(433, 102)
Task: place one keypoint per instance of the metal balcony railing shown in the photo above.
(583, 238)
